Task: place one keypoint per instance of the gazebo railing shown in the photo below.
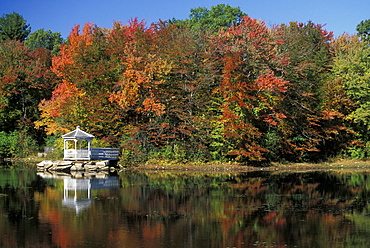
(95, 154)
(76, 154)
(104, 153)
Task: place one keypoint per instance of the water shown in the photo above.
(178, 209)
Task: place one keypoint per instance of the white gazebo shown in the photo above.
(77, 146)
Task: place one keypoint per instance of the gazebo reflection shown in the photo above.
(77, 192)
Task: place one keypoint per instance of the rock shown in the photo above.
(102, 163)
(77, 174)
(73, 166)
(41, 164)
(90, 167)
(53, 167)
(77, 167)
(63, 167)
(47, 164)
(64, 163)
(42, 154)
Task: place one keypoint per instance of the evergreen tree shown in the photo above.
(363, 29)
(13, 27)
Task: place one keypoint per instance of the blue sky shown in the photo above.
(61, 15)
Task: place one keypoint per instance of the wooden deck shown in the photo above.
(94, 154)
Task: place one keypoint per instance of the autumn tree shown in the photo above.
(308, 47)
(148, 89)
(86, 77)
(245, 92)
(251, 87)
(25, 79)
(180, 89)
(187, 90)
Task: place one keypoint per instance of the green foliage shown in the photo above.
(176, 153)
(352, 71)
(16, 144)
(356, 152)
(13, 27)
(363, 30)
(352, 66)
(44, 39)
(9, 143)
(216, 18)
(272, 141)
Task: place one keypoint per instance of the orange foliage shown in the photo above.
(271, 83)
(249, 87)
(163, 84)
(77, 42)
(63, 102)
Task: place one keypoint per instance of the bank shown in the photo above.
(239, 167)
(219, 166)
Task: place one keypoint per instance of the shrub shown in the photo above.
(16, 144)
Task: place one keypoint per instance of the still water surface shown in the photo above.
(178, 209)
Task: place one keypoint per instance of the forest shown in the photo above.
(218, 86)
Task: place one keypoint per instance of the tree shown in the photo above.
(186, 92)
(217, 17)
(351, 68)
(44, 39)
(352, 65)
(251, 88)
(138, 90)
(363, 30)
(135, 83)
(25, 79)
(14, 27)
(314, 127)
(61, 109)
(86, 76)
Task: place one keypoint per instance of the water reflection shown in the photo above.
(78, 187)
(177, 209)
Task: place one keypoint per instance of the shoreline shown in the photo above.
(229, 167)
(235, 167)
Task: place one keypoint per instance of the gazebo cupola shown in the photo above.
(77, 145)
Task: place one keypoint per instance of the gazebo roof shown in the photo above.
(78, 134)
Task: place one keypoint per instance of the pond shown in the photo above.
(178, 209)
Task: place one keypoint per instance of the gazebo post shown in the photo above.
(75, 148)
(89, 148)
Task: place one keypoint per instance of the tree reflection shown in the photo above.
(177, 209)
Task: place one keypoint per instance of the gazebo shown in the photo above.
(80, 149)
(77, 146)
